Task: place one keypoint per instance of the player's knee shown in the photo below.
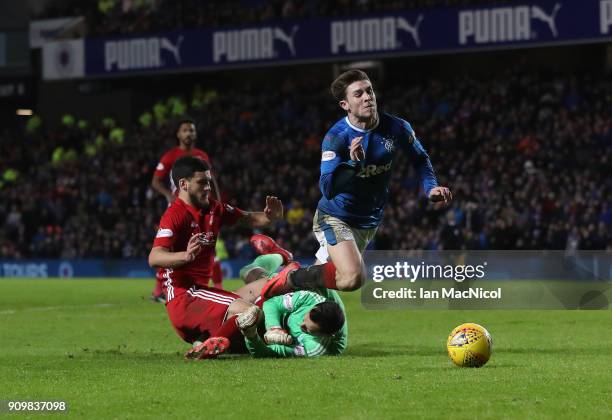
(237, 307)
(350, 281)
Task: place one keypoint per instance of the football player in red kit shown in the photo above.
(186, 135)
(184, 248)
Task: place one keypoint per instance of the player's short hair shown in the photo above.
(338, 86)
(328, 316)
(186, 167)
(184, 120)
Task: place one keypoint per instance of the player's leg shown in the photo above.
(264, 245)
(217, 275)
(339, 261)
(208, 315)
(262, 266)
(344, 271)
(340, 264)
(350, 269)
(256, 274)
(158, 291)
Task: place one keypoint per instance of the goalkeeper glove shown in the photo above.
(277, 335)
(248, 318)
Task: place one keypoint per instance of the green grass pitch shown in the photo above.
(104, 348)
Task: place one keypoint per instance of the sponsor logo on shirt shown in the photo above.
(164, 233)
(328, 155)
(372, 170)
(208, 239)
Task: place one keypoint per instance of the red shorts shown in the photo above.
(199, 312)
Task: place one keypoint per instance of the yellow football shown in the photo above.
(469, 345)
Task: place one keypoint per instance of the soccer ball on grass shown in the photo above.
(469, 345)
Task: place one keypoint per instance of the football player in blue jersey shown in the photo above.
(356, 163)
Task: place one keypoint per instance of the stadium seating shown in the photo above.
(111, 17)
(528, 160)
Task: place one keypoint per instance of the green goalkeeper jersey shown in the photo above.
(288, 311)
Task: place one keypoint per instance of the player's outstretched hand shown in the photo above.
(356, 151)
(440, 194)
(278, 336)
(194, 246)
(273, 209)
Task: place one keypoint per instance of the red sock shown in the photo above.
(217, 275)
(329, 275)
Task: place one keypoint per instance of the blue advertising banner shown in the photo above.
(512, 25)
(134, 268)
(75, 268)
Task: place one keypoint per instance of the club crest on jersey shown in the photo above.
(160, 166)
(389, 144)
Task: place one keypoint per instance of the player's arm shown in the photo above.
(161, 172)
(309, 348)
(162, 257)
(276, 308)
(314, 348)
(257, 348)
(337, 172)
(158, 185)
(424, 168)
(272, 213)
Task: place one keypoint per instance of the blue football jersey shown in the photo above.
(361, 202)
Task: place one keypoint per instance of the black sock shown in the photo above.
(307, 278)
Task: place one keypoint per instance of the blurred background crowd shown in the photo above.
(106, 17)
(527, 156)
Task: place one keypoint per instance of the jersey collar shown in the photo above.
(192, 210)
(361, 130)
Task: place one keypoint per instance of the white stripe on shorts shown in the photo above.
(212, 296)
(168, 283)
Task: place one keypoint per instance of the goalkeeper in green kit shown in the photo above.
(307, 323)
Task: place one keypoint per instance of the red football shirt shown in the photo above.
(177, 225)
(167, 161)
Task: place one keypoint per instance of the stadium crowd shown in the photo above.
(111, 17)
(528, 159)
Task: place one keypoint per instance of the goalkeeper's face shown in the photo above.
(310, 327)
